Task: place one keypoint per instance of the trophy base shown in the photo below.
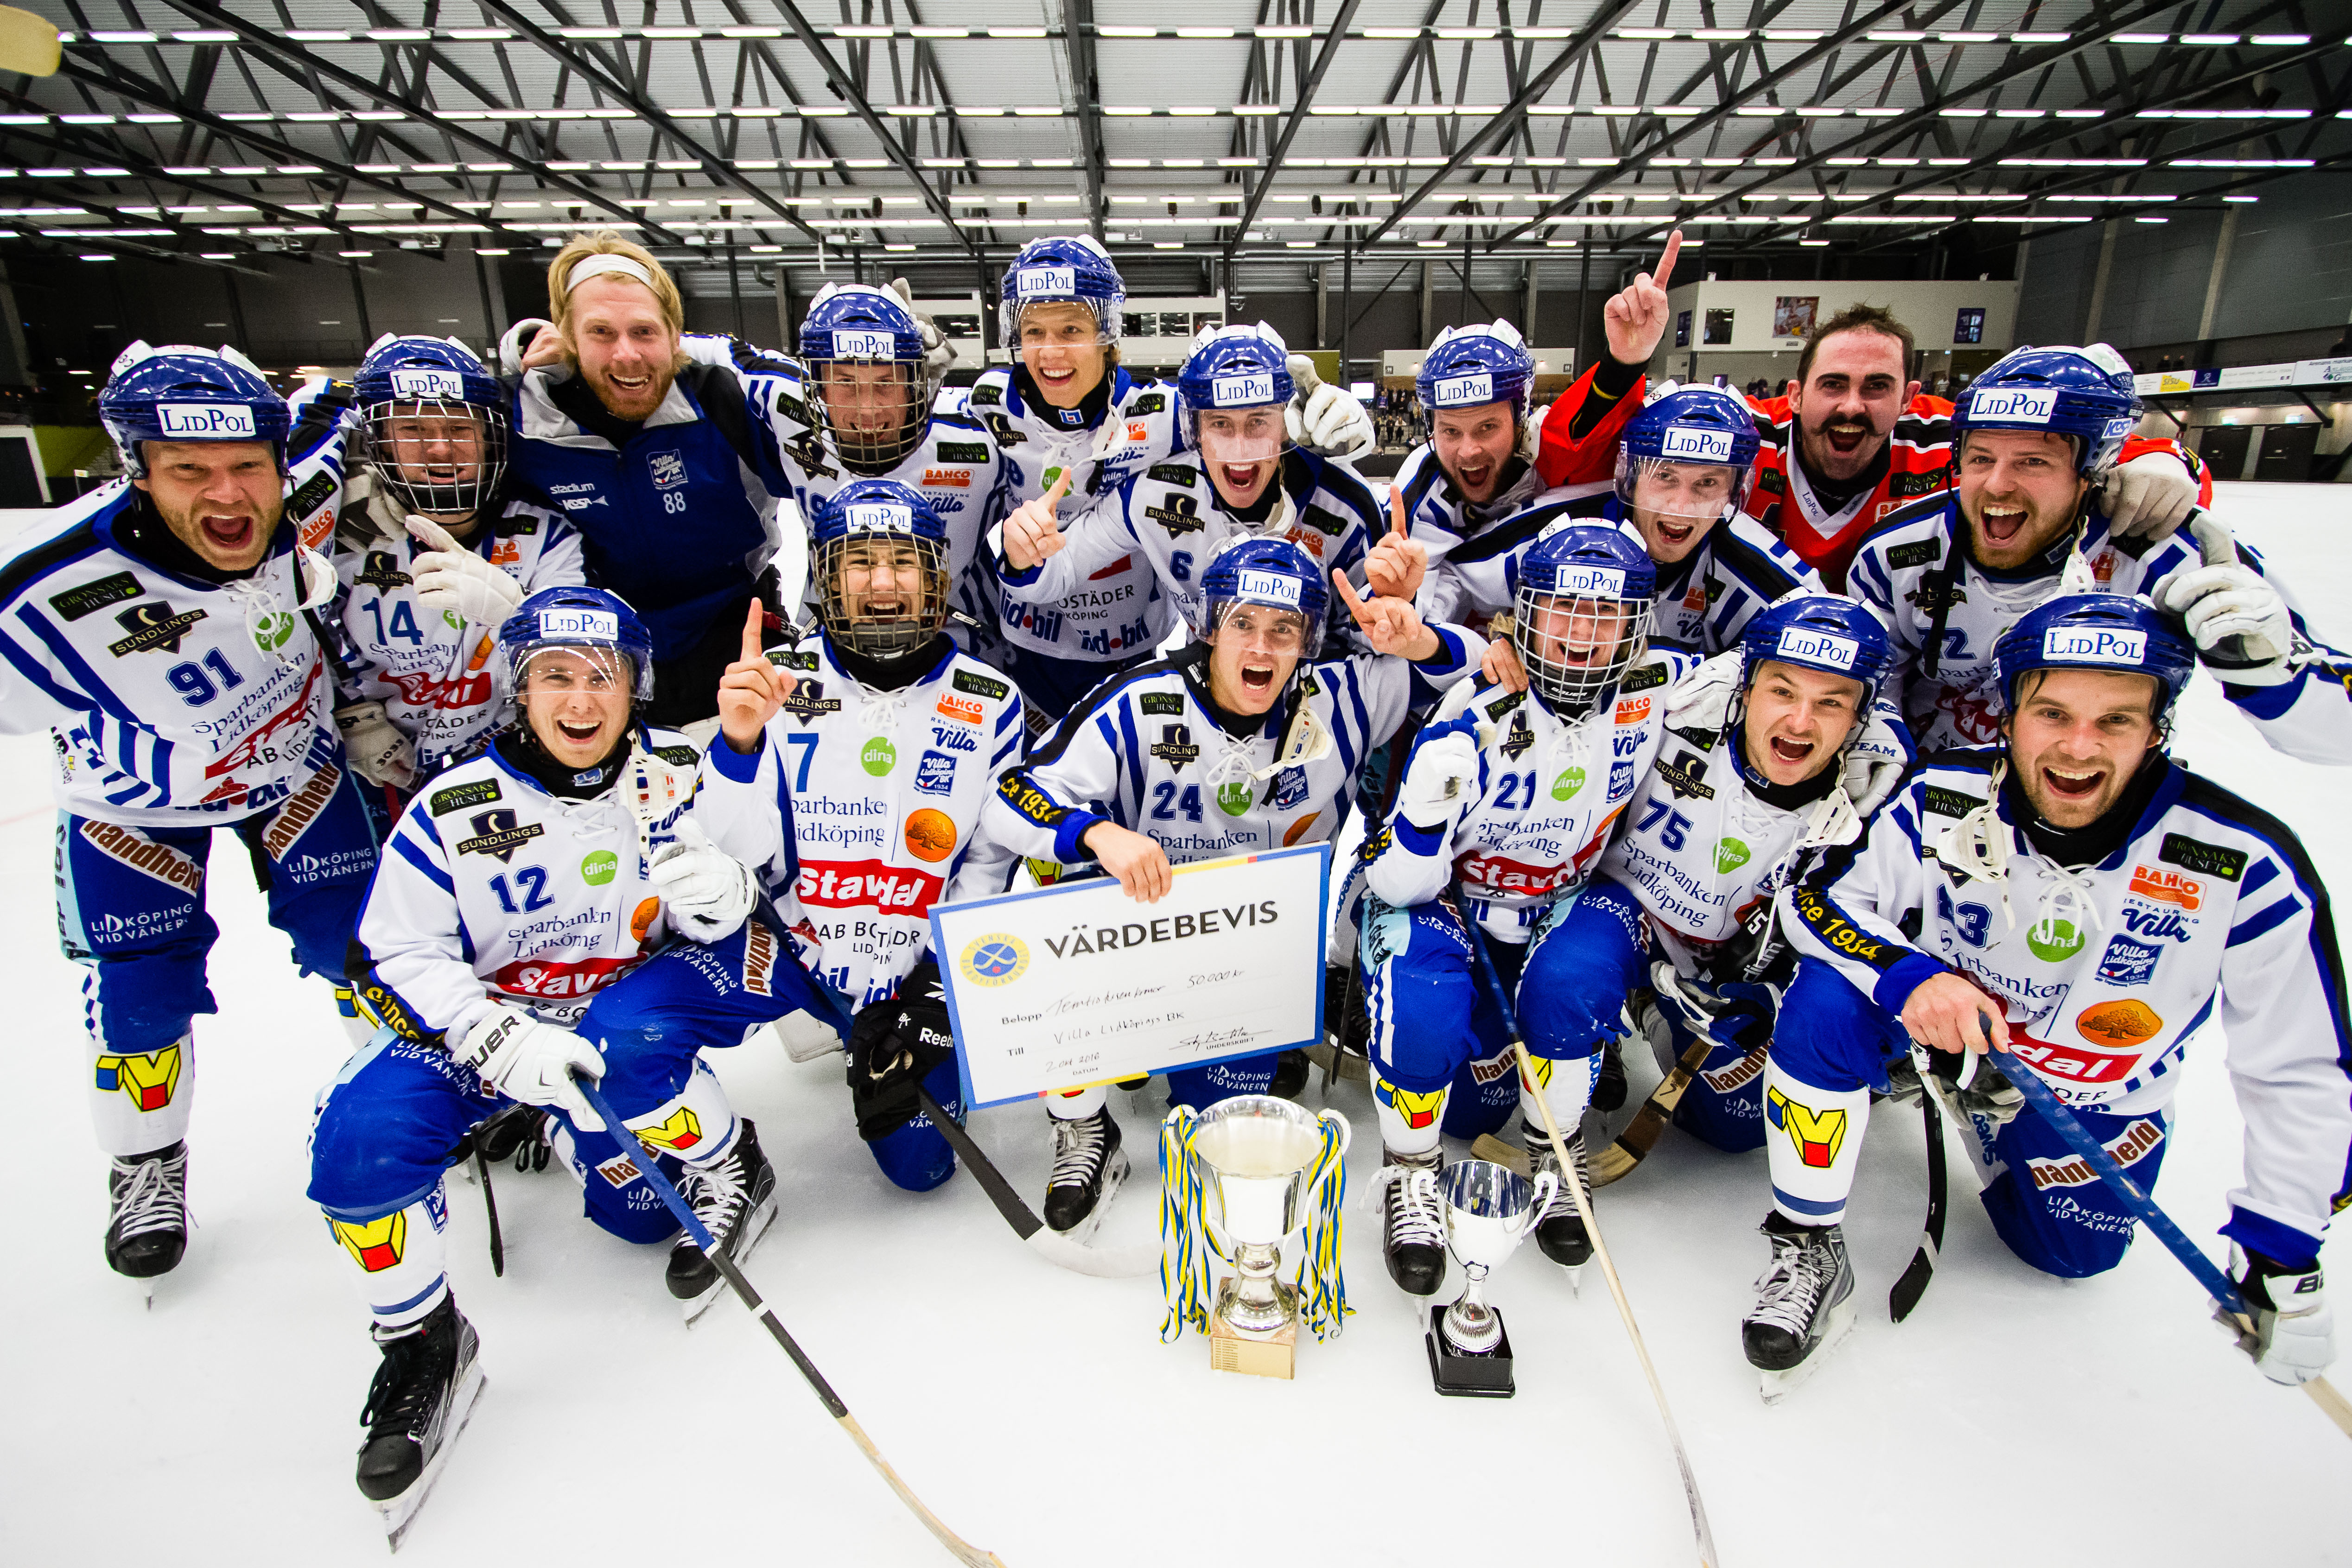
(1266, 1355)
(1468, 1375)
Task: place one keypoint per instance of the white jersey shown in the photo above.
(430, 669)
(175, 700)
(1550, 794)
(888, 788)
(491, 889)
(1907, 570)
(1173, 515)
(2108, 970)
(1117, 611)
(1145, 752)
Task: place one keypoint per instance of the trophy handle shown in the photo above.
(1347, 1133)
(1546, 1184)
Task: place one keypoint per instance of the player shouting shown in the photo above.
(582, 896)
(1513, 795)
(162, 630)
(2038, 436)
(446, 548)
(894, 740)
(2088, 904)
(1243, 742)
(1853, 440)
(1751, 781)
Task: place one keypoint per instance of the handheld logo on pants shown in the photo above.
(1816, 1134)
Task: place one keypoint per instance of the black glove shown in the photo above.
(893, 1046)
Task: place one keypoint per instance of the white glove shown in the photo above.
(2295, 1328)
(2149, 496)
(1326, 419)
(1875, 762)
(1701, 700)
(2222, 600)
(379, 752)
(707, 890)
(450, 577)
(1441, 775)
(938, 352)
(528, 1060)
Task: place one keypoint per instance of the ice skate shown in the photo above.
(1561, 1232)
(735, 1198)
(423, 1395)
(1413, 1228)
(1804, 1304)
(147, 1227)
(1088, 1169)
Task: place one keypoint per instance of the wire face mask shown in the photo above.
(1578, 641)
(438, 456)
(875, 411)
(883, 595)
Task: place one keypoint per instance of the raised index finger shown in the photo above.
(753, 625)
(1665, 273)
(1398, 525)
(1356, 606)
(1061, 486)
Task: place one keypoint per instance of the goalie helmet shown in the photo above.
(2075, 392)
(876, 525)
(579, 619)
(867, 373)
(1581, 612)
(433, 424)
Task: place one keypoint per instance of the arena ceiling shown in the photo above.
(950, 131)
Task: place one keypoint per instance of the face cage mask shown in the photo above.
(1311, 631)
(1573, 691)
(1631, 470)
(924, 603)
(879, 451)
(425, 476)
(615, 666)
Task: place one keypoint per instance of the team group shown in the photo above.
(1816, 743)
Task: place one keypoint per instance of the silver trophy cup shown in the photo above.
(1254, 1152)
(1489, 1210)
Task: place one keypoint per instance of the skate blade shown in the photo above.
(1114, 1177)
(400, 1512)
(757, 1225)
(1775, 1386)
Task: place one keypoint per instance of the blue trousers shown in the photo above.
(2044, 1203)
(394, 1118)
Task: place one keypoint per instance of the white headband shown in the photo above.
(590, 267)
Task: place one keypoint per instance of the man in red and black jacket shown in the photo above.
(1853, 440)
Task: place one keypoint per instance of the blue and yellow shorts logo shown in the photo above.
(376, 1245)
(681, 1133)
(149, 1079)
(1816, 1134)
(1418, 1110)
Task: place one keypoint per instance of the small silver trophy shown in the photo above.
(1489, 1210)
(1254, 1152)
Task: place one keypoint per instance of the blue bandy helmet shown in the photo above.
(1273, 573)
(1825, 632)
(1230, 372)
(433, 424)
(2085, 394)
(874, 421)
(2119, 634)
(582, 620)
(180, 392)
(1688, 430)
(1469, 367)
(1062, 269)
(879, 555)
(1581, 613)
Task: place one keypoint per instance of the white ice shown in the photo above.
(1037, 1411)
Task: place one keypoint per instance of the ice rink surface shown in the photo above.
(1036, 1411)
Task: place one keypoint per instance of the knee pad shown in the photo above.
(142, 1003)
(2051, 1208)
(1724, 1105)
(390, 1125)
(1830, 1035)
(1485, 1093)
(613, 1192)
(915, 1155)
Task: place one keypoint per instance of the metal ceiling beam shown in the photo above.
(1085, 95)
(1298, 113)
(213, 14)
(1927, 113)
(1609, 13)
(847, 91)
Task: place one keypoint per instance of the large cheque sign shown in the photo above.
(1078, 984)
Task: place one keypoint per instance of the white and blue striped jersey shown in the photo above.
(2211, 907)
(1145, 752)
(1928, 592)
